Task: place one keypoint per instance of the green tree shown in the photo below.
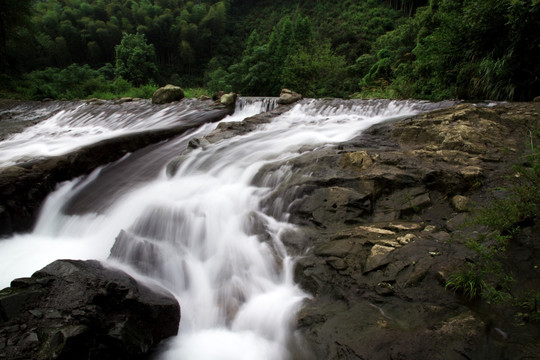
(135, 59)
(315, 72)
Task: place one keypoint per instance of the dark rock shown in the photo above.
(83, 310)
(167, 94)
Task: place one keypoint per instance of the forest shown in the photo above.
(425, 49)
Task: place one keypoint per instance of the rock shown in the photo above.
(218, 95)
(357, 159)
(458, 222)
(228, 99)
(404, 240)
(336, 263)
(123, 100)
(460, 203)
(83, 310)
(288, 97)
(95, 101)
(536, 99)
(337, 248)
(167, 94)
(377, 257)
(204, 98)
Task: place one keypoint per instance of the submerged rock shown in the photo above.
(83, 310)
(167, 94)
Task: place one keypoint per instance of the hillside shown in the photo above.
(437, 49)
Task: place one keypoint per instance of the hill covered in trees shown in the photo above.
(432, 49)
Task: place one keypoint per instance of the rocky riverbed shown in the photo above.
(382, 222)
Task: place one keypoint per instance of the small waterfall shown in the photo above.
(263, 104)
(201, 231)
(70, 125)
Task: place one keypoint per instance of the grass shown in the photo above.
(77, 82)
(144, 92)
(468, 282)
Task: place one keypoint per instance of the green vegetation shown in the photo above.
(135, 60)
(467, 281)
(514, 207)
(432, 49)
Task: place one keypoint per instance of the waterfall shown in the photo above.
(198, 231)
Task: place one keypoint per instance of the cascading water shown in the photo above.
(199, 230)
(77, 124)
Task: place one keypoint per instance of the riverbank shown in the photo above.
(385, 220)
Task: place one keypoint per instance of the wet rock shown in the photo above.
(82, 310)
(167, 94)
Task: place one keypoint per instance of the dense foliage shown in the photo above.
(434, 49)
(472, 49)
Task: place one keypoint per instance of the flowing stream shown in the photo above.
(195, 230)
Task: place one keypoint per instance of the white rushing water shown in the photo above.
(82, 124)
(195, 233)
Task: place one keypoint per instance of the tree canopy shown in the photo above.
(430, 49)
(135, 59)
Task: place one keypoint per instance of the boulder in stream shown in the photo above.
(167, 94)
(83, 310)
(288, 97)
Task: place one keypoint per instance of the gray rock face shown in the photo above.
(82, 310)
(167, 94)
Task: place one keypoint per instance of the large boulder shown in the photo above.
(83, 310)
(167, 94)
(288, 97)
